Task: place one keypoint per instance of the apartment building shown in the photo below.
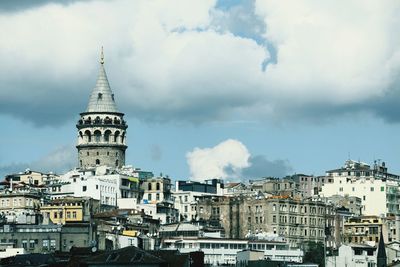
(298, 221)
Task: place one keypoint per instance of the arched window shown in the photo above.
(80, 136)
(97, 136)
(107, 120)
(97, 162)
(88, 136)
(158, 186)
(116, 163)
(149, 186)
(107, 136)
(97, 120)
(116, 136)
(81, 162)
(123, 137)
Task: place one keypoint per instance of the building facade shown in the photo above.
(298, 221)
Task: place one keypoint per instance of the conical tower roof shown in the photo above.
(102, 98)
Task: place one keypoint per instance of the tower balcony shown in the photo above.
(102, 144)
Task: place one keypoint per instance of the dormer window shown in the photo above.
(112, 97)
(99, 96)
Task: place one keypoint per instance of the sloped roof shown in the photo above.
(127, 255)
(102, 98)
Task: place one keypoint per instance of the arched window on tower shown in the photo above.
(97, 162)
(97, 136)
(88, 136)
(116, 136)
(123, 138)
(80, 162)
(97, 120)
(107, 136)
(107, 120)
(116, 163)
(80, 136)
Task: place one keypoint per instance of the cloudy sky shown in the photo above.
(217, 88)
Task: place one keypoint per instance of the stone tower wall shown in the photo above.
(113, 156)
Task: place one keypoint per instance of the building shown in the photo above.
(275, 186)
(101, 183)
(308, 185)
(70, 210)
(367, 230)
(47, 238)
(186, 193)
(353, 255)
(220, 251)
(101, 128)
(298, 221)
(156, 190)
(377, 189)
(20, 206)
(29, 177)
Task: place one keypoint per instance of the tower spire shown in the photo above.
(102, 56)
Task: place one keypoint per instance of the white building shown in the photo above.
(98, 184)
(378, 193)
(353, 256)
(224, 251)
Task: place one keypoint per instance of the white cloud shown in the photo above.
(183, 60)
(225, 160)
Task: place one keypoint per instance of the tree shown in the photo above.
(314, 253)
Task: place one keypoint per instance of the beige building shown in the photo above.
(29, 177)
(20, 206)
(367, 230)
(156, 190)
(298, 221)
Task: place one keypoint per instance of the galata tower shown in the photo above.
(101, 128)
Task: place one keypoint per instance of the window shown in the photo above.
(372, 189)
(31, 244)
(74, 214)
(382, 188)
(84, 188)
(25, 244)
(53, 244)
(158, 196)
(274, 218)
(149, 197)
(158, 186)
(45, 244)
(97, 162)
(149, 186)
(55, 215)
(68, 214)
(186, 208)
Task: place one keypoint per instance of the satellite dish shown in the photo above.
(94, 249)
